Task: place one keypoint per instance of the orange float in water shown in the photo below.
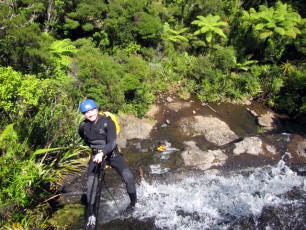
(161, 148)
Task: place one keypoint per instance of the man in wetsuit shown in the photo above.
(99, 133)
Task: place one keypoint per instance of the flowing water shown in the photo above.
(248, 192)
(194, 200)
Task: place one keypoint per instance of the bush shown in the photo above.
(224, 58)
(23, 185)
(291, 98)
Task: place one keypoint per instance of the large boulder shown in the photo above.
(133, 128)
(250, 145)
(213, 129)
(195, 157)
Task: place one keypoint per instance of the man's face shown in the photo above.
(91, 115)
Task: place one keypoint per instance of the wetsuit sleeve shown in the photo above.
(110, 136)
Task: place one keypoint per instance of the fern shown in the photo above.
(62, 51)
(209, 26)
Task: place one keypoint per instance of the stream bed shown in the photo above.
(247, 192)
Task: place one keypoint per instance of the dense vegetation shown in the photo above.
(55, 53)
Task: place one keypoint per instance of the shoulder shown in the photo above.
(105, 119)
(83, 124)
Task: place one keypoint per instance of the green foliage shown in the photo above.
(61, 53)
(271, 81)
(201, 67)
(143, 99)
(23, 187)
(224, 58)
(178, 38)
(99, 76)
(174, 35)
(209, 26)
(185, 11)
(132, 48)
(300, 42)
(246, 85)
(21, 94)
(148, 26)
(112, 82)
(55, 53)
(186, 88)
(212, 88)
(26, 185)
(19, 15)
(18, 93)
(71, 24)
(62, 50)
(281, 21)
(275, 27)
(86, 17)
(292, 97)
(22, 49)
(120, 24)
(23, 183)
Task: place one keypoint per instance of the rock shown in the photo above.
(133, 127)
(266, 120)
(214, 130)
(250, 145)
(121, 142)
(203, 160)
(177, 106)
(252, 112)
(271, 149)
(301, 148)
(278, 217)
(169, 99)
(153, 111)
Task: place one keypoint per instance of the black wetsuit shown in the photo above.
(102, 135)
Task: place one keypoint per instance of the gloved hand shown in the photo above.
(99, 156)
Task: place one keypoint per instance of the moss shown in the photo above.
(66, 216)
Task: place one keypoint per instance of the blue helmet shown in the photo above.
(88, 105)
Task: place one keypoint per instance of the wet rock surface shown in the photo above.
(250, 145)
(133, 127)
(197, 158)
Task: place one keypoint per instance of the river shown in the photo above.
(248, 192)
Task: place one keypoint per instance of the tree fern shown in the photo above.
(269, 22)
(209, 26)
(62, 51)
(176, 36)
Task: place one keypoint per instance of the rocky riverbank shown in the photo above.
(205, 124)
(210, 138)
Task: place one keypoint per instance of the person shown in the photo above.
(99, 133)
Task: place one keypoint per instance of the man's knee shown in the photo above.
(128, 178)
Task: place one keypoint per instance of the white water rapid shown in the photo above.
(209, 201)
